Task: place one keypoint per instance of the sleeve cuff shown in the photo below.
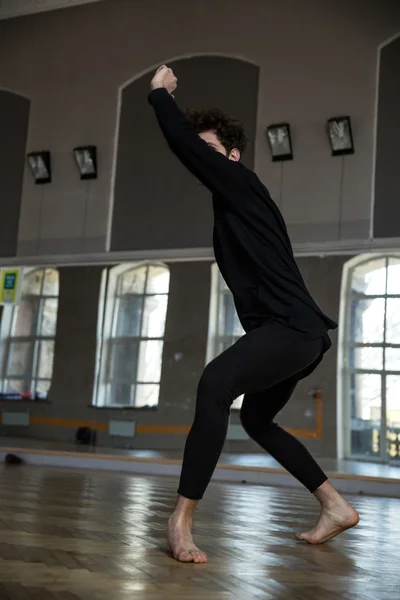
(156, 95)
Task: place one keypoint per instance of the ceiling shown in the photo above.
(16, 8)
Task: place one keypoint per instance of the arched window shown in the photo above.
(28, 332)
(133, 336)
(224, 325)
(370, 362)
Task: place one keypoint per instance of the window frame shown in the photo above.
(9, 320)
(109, 305)
(215, 339)
(345, 371)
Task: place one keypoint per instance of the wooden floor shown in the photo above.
(69, 535)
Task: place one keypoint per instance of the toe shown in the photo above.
(199, 557)
(196, 557)
(185, 556)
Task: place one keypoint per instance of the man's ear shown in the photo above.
(234, 155)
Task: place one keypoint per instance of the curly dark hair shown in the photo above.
(230, 132)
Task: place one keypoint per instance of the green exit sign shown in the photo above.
(10, 281)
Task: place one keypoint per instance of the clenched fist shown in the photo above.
(164, 78)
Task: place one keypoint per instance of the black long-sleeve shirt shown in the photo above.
(251, 243)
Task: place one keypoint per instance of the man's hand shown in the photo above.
(164, 78)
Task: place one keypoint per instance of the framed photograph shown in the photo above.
(280, 141)
(39, 163)
(340, 136)
(86, 160)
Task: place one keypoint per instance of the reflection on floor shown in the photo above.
(79, 535)
(258, 461)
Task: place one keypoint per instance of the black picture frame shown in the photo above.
(286, 150)
(338, 147)
(93, 155)
(33, 159)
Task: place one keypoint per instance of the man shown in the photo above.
(286, 333)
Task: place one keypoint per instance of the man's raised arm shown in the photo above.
(213, 169)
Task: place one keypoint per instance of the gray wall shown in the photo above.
(14, 115)
(387, 177)
(183, 360)
(75, 348)
(316, 59)
(157, 203)
(184, 348)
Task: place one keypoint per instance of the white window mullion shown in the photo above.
(36, 346)
(383, 376)
(140, 339)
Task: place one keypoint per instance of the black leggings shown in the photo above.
(265, 365)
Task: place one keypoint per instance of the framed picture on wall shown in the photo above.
(280, 141)
(340, 136)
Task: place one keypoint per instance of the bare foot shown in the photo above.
(180, 542)
(333, 520)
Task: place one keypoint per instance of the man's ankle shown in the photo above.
(181, 518)
(328, 496)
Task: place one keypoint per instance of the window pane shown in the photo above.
(50, 285)
(238, 330)
(42, 386)
(222, 284)
(366, 358)
(155, 311)
(394, 276)
(49, 317)
(150, 359)
(129, 316)
(124, 360)
(32, 283)
(26, 317)
(226, 343)
(393, 321)
(370, 278)
(366, 320)
(393, 417)
(20, 358)
(45, 359)
(366, 395)
(121, 393)
(392, 359)
(147, 395)
(158, 280)
(229, 321)
(366, 401)
(133, 281)
(393, 398)
(237, 404)
(15, 386)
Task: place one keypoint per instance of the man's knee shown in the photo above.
(247, 420)
(253, 424)
(216, 386)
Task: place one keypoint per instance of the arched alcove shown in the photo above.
(386, 216)
(157, 204)
(14, 117)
